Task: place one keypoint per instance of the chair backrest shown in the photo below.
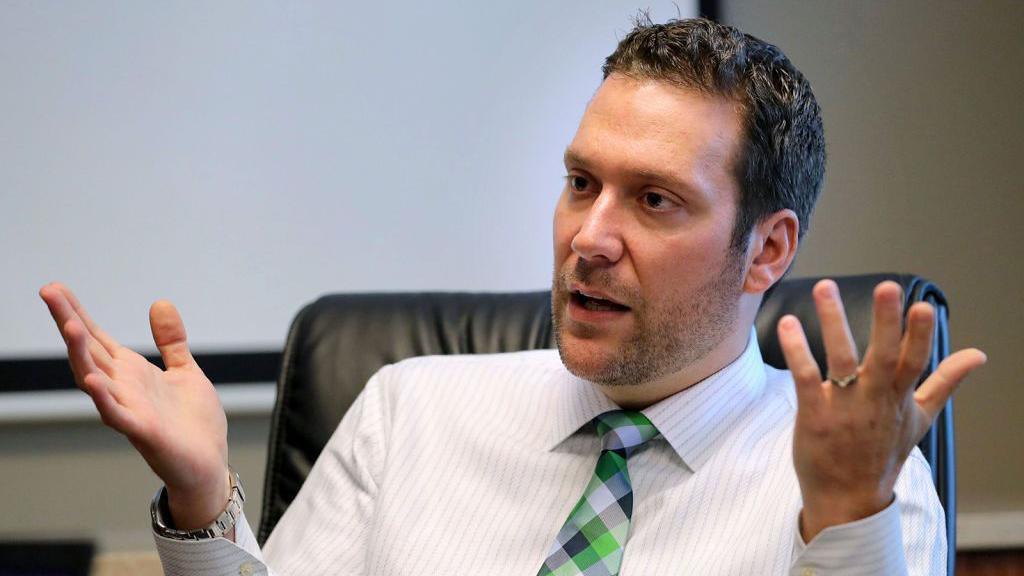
(337, 342)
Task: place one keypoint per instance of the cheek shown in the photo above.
(672, 269)
(662, 275)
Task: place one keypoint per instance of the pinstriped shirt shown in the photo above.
(470, 465)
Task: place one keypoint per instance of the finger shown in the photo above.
(112, 413)
(931, 396)
(98, 333)
(169, 335)
(77, 340)
(800, 361)
(883, 354)
(58, 307)
(916, 348)
(62, 311)
(92, 381)
(101, 357)
(840, 348)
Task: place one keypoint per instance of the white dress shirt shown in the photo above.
(471, 464)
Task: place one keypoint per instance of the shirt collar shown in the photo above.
(693, 421)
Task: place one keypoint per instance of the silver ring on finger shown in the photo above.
(845, 380)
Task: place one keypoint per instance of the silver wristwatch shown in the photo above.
(160, 513)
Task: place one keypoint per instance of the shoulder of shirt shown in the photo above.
(439, 369)
(779, 384)
(464, 386)
(545, 358)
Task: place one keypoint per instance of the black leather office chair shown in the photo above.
(337, 342)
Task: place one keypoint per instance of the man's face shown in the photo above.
(645, 222)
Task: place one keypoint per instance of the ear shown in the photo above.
(773, 243)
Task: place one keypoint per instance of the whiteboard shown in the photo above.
(242, 158)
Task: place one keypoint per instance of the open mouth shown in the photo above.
(596, 304)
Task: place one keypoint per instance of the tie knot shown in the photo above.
(624, 431)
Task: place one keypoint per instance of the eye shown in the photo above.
(656, 201)
(577, 182)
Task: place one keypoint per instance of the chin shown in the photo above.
(581, 364)
(589, 360)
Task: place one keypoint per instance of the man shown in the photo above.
(689, 184)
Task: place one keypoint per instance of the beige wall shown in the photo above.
(925, 127)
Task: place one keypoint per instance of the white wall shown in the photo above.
(241, 158)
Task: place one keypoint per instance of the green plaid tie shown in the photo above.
(592, 539)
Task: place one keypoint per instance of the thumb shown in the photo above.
(937, 388)
(169, 335)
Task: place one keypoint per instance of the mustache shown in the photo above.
(589, 274)
(600, 278)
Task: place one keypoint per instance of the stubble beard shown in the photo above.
(665, 339)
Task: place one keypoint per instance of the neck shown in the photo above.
(640, 396)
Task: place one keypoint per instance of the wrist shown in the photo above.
(196, 508)
(223, 526)
(821, 513)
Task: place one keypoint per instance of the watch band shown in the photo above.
(160, 514)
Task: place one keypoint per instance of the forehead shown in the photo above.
(647, 126)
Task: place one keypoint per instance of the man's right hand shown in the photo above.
(173, 417)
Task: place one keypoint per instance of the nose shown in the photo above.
(599, 237)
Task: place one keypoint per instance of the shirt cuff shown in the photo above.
(869, 546)
(213, 557)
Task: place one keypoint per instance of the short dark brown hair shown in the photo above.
(782, 158)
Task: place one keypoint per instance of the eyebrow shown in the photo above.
(573, 157)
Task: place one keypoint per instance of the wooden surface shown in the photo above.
(127, 564)
(990, 563)
(976, 563)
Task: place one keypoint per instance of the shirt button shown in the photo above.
(246, 569)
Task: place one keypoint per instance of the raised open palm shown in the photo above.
(855, 428)
(173, 417)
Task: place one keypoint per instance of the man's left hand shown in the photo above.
(849, 443)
